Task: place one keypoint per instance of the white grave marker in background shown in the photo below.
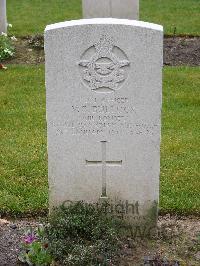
(128, 9)
(104, 91)
(3, 18)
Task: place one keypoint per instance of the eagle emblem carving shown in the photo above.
(104, 66)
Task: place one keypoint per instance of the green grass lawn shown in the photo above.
(180, 149)
(182, 14)
(31, 16)
(23, 162)
(23, 157)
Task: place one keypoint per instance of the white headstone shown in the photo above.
(104, 91)
(126, 9)
(3, 18)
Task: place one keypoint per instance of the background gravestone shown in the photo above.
(128, 9)
(104, 91)
(3, 19)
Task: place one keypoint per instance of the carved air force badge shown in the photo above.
(104, 66)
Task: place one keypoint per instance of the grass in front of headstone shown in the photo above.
(23, 157)
(30, 17)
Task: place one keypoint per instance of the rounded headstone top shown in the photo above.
(104, 21)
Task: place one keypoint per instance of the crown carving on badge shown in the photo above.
(104, 46)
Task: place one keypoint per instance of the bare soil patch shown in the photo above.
(179, 243)
(28, 51)
(11, 233)
(178, 51)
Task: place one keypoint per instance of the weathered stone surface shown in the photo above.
(104, 91)
(127, 9)
(3, 18)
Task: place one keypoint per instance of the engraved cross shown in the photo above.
(104, 163)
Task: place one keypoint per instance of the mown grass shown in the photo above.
(177, 16)
(23, 157)
(30, 17)
(180, 149)
(23, 162)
